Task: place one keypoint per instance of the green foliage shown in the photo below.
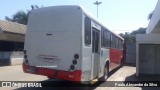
(130, 38)
(139, 31)
(21, 16)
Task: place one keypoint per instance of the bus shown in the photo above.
(66, 42)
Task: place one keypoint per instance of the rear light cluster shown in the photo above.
(74, 62)
(25, 57)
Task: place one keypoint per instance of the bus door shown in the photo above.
(95, 52)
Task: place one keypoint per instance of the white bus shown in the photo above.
(65, 42)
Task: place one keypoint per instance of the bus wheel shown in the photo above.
(105, 74)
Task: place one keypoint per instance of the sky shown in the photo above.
(117, 15)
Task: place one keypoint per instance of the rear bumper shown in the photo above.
(65, 75)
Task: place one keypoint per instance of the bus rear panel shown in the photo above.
(53, 43)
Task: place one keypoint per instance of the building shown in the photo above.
(11, 39)
(148, 46)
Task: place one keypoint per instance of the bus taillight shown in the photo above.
(25, 57)
(24, 51)
(74, 62)
(26, 61)
(76, 56)
(72, 67)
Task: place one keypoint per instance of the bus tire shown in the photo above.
(105, 74)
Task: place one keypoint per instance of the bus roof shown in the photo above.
(86, 13)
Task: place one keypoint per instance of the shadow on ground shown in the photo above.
(145, 78)
(5, 64)
(62, 85)
(67, 85)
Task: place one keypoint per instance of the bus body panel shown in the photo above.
(115, 58)
(86, 63)
(50, 52)
(105, 56)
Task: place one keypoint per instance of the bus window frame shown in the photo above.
(87, 31)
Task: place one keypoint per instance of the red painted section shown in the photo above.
(115, 58)
(25, 67)
(71, 76)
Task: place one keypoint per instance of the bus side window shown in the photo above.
(116, 42)
(120, 44)
(102, 37)
(87, 31)
(108, 39)
(112, 41)
(105, 38)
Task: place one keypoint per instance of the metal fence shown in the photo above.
(131, 53)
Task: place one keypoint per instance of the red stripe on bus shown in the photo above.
(65, 75)
(115, 58)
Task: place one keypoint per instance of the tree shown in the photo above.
(139, 31)
(21, 16)
(131, 37)
(128, 38)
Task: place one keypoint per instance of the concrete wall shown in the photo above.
(16, 58)
(146, 66)
(12, 37)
